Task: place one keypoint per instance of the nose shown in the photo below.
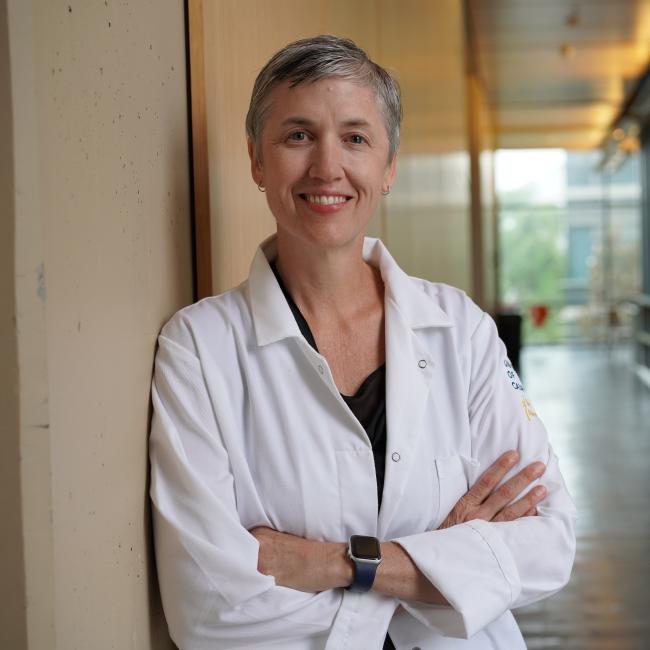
(326, 162)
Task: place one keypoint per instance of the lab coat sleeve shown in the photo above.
(213, 595)
(485, 568)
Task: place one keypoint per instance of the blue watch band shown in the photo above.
(364, 575)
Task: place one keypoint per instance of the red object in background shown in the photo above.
(538, 314)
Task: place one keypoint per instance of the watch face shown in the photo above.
(365, 548)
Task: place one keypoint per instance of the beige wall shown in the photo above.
(426, 219)
(100, 257)
(30, 292)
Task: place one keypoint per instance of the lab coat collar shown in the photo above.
(272, 316)
(274, 321)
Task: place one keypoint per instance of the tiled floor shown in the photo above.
(598, 417)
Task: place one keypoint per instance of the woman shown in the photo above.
(316, 429)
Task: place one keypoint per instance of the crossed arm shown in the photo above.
(314, 566)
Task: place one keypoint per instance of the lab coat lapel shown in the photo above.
(408, 383)
(409, 370)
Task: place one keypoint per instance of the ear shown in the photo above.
(256, 167)
(391, 172)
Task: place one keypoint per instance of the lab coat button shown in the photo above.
(416, 647)
(422, 363)
(320, 369)
(396, 457)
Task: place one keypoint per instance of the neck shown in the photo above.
(328, 284)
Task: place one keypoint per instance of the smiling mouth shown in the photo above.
(325, 199)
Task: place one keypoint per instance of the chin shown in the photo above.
(333, 238)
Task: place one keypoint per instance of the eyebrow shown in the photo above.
(305, 121)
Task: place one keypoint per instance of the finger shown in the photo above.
(524, 507)
(512, 488)
(487, 482)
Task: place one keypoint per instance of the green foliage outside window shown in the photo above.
(533, 264)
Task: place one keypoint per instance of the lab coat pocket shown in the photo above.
(455, 474)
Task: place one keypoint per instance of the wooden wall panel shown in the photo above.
(239, 38)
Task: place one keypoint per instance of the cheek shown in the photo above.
(369, 179)
(280, 200)
(276, 202)
(285, 168)
(377, 169)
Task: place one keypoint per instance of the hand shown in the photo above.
(483, 501)
(300, 563)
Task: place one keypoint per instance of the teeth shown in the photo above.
(322, 199)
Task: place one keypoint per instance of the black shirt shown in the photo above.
(368, 405)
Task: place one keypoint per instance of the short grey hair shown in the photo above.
(311, 59)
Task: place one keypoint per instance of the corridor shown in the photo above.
(598, 417)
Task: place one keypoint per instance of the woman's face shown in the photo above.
(323, 161)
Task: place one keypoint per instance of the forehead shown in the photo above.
(331, 98)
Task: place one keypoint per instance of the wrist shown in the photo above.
(341, 568)
(333, 565)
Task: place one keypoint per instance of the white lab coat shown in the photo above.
(249, 429)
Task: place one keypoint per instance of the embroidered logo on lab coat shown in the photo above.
(528, 409)
(514, 380)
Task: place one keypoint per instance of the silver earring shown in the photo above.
(260, 188)
(386, 192)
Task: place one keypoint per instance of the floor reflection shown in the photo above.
(598, 416)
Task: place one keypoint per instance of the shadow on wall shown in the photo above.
(13, 633)
(158, 634)
(174, 284)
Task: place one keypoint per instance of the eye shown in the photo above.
(297, 136)
(355, 138)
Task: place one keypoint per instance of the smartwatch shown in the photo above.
(365, 553)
